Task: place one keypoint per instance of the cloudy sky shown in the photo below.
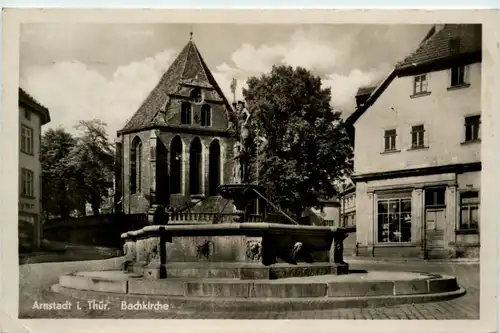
(85, 71)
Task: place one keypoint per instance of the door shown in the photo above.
(434, 222)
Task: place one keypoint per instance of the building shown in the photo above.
(328, 213)
(348, 206)
(417, 149)
(177, 146)
(32, 116)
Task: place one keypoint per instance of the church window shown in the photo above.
(195, 167)
(214, 167)
(186, 113)
(175, 165)
(206, 115)
(135, 165)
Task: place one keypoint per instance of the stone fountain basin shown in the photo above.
(236, 229)
(374, 288)
(229, 242)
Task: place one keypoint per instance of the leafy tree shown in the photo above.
(59, 195)
(92, 161)
(307, 149)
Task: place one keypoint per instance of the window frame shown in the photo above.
(416, 131)
(186, 113)
(399, 199)
(470, 206)
(390, 133)
(206, 115)
(462, 73)
(27, 142)
(472, 122)
(27, 183)
(418, 82)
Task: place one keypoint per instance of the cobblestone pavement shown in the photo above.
(464, 307)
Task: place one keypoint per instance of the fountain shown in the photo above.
(248, 265)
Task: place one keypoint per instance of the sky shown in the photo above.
(82, 71)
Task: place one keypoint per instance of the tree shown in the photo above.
(307, 148)
(59, 194)
(92, 161)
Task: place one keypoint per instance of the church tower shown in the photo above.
(177, 146)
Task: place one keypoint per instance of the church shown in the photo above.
(177, 147)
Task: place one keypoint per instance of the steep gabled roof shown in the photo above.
(434, 48)
(188, 68)
(28, 101)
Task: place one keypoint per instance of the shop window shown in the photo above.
(394, 220)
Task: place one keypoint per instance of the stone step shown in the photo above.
(368, 284)
(239, 295)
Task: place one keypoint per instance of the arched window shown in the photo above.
(135, 165)
(175, 165)
(214, 167)
(206, 115)
(195, 167)
(186, 113)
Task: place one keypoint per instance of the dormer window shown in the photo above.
(196, 95)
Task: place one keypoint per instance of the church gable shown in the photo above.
(188, 80)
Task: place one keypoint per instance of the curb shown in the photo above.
(362, 260)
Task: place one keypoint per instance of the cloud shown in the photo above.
(72, 91)
(324, 55)
(80, 90)
(344, 87)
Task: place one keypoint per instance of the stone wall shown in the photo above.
(102, 230)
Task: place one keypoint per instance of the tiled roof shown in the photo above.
(28, 101)
(188, 68)
(365, 90)
(437, 46)
(434, 47)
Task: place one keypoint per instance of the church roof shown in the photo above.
(188, 69)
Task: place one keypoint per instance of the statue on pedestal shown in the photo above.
(241, 148)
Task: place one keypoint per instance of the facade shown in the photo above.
(32, 116)
(177, 146)
(417, 151)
